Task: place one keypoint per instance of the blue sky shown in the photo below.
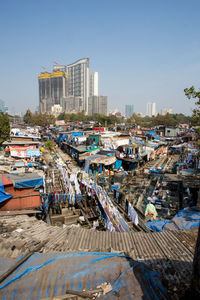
(143, 50)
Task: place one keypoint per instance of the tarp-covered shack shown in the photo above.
(19, 191)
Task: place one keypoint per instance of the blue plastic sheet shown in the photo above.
(3, 195)
(63, 137)
(21, 184)
(185, 219)
(114, 187)
(152, 132)
(153, 171)
(76, 134)
(118, 164)
(47, 275)
(157, 225)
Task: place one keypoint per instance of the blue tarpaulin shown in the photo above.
(3, 195)
(28, 183)
(76, 134)
(111, 154)
(157, 225)
(151, 132)
(48, 275)
(153, 171)
(185, 219)
(63, 137)
(114, 187)
(118, 164)
(22, 181)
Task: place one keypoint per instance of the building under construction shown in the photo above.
(72, 88)
(52, 89)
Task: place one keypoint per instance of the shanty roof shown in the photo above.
(48, 275)
(130, 146)
(177, 245)
(102, 159)
(21, 143)
(168, 252)
(88, 154)
(83, 148)
(22, 180)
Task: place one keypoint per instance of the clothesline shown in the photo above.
(62, 198)
(114, 221)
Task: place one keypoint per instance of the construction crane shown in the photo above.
(46, 69)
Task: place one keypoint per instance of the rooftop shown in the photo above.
(169, 252)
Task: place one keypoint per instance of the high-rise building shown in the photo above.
(69, 86)
(52, 88)
(78, 81)
(97, 105)
(129, 110)
(3, 108)
(72, 104)
(94, 84)
(151, 109)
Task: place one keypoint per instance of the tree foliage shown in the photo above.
(191, 93)
(38, 119)
(49, 144)
(28, 116)
(4, 127)
(166, 120)
(97, 118)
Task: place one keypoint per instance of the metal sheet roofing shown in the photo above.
(170, 253)
(47, 275)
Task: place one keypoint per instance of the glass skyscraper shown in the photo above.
(129, 110)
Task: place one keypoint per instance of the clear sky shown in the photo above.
(143, 50)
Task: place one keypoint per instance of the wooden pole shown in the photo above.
(21, 261)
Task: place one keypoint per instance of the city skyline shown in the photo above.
(71, 88)
(145, 55)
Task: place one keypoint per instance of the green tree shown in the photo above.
(61, 116)
(42, 119)
(4, 127)
(38, 119)
(191, 93)
(167, 120)
(28, 117)
(49, 144)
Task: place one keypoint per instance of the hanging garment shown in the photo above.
(64, 198)
(132, 214)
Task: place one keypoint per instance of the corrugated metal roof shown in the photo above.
(48, 275)
(170, 252)
(168, 244)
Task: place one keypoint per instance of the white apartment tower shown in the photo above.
(97, 105)
(78, 81)
(151, 109)
(94, 84)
